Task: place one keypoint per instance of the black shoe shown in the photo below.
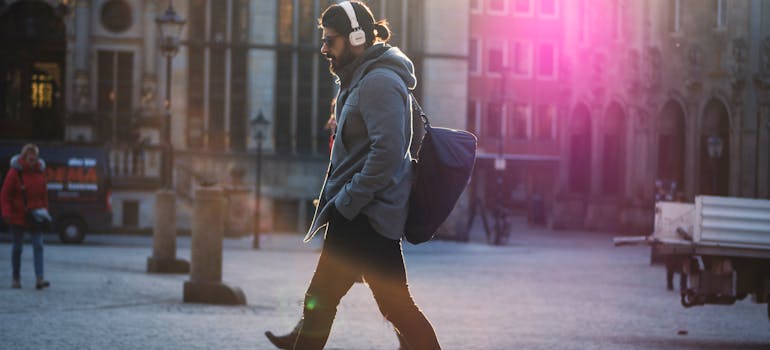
(285, 342)
(16, 284)
(41, 283)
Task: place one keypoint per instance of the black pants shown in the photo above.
(353, 249)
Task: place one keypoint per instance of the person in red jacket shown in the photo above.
(25, 189)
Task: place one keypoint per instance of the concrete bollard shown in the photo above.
(163, 259)
(205, 284)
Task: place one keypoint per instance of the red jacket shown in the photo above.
(11, 197)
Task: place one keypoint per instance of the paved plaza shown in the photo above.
(544, 290)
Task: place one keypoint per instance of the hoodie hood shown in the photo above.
(382, 55)
(16, 163)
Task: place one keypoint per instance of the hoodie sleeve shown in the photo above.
(382, 99)
(7, 192)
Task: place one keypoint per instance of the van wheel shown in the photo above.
(72, 230)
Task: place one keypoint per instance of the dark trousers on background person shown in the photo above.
(18, 245)
(352, 249)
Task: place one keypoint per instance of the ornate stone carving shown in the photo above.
(652, 68)
(633, 75)
(147, 102)
(82, 98)
(694, 67)
(739, 59)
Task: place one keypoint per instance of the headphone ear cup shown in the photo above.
(357, 37)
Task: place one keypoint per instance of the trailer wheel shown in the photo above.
(72, 230)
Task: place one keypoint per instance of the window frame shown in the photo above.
(478, 9)
(721, 20)
(553, 124)
(527, 121)
(530, 13)
(531, 66)
(492, 12)
(555, 61)
(489, 45)
(677, 17)
(544, 15)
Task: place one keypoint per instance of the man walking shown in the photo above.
(363, 204)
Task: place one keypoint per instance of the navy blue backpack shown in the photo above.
(443, 169)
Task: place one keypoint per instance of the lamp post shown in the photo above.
(500, 215)
(163, 257)
(259, 125)
(170, 26)
(714, 148)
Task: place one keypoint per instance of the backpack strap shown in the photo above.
(416, 106)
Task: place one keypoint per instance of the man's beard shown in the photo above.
(336, 64)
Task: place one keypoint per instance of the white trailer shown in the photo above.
(722, 245)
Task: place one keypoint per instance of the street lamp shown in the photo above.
(170, 27)
(65, 6)
(259, 125)
(714, 148)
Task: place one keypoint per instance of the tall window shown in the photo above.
(497, 7)
(217, 72)
(493, 123)
(545, 122)
(522, 58)
(674, 11)
(522, 7)
(549, 8)
(476, 6)
(518, 128)
(304, 88)
(114, 105)
(495, 56)
(546, 66)
(721, 13)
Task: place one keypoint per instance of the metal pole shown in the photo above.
(168, 148)
(258, 186)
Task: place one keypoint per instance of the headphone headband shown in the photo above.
(357, 37)
(348, 7)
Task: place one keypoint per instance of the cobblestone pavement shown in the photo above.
(544, 290)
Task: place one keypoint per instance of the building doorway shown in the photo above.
(32, 53)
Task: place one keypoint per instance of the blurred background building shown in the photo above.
(102, 76)
(579, 105)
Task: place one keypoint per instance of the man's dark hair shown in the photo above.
(334, 17)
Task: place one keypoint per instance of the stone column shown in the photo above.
(205, 284)
(81, 100)
(149, 101)
(163, 259)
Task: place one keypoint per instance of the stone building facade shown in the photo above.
(672, 90)
(238, 58)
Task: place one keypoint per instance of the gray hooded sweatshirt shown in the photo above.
(370, 171)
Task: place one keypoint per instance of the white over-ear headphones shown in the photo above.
(357, 37)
